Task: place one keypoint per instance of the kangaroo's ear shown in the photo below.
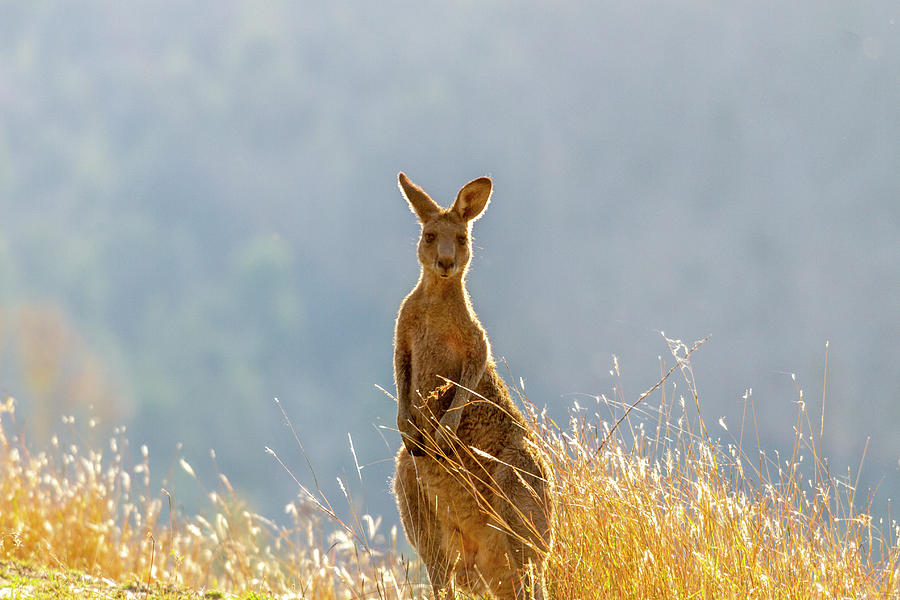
(473, 198)
(420, 202)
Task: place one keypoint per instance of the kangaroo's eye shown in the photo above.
(429, 237)
(461, 240)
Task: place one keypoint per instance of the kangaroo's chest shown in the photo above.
(440, 341)
(439, 349)
(437, 343)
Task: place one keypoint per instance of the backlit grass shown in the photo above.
(86, 509)
(664, 511)
(649, 504)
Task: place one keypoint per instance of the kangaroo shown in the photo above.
(472, 491)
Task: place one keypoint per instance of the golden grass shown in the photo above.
(86, 509)
(648, 506)
(675, 514)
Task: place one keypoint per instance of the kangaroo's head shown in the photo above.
(445, 246)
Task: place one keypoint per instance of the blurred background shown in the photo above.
(199, 213)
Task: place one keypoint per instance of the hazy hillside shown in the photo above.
(198, 213)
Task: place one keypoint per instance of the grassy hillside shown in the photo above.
(20, 580)
(650, 505)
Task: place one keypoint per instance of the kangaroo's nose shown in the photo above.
(445, 263)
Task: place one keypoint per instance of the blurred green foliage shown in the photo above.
(198, 205)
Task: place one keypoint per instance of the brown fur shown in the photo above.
(472, 492)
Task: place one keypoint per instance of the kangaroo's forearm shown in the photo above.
(469, 379)
(402, 375)
(403, 400)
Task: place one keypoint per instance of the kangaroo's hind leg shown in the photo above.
(421, 525)
(524, 506)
